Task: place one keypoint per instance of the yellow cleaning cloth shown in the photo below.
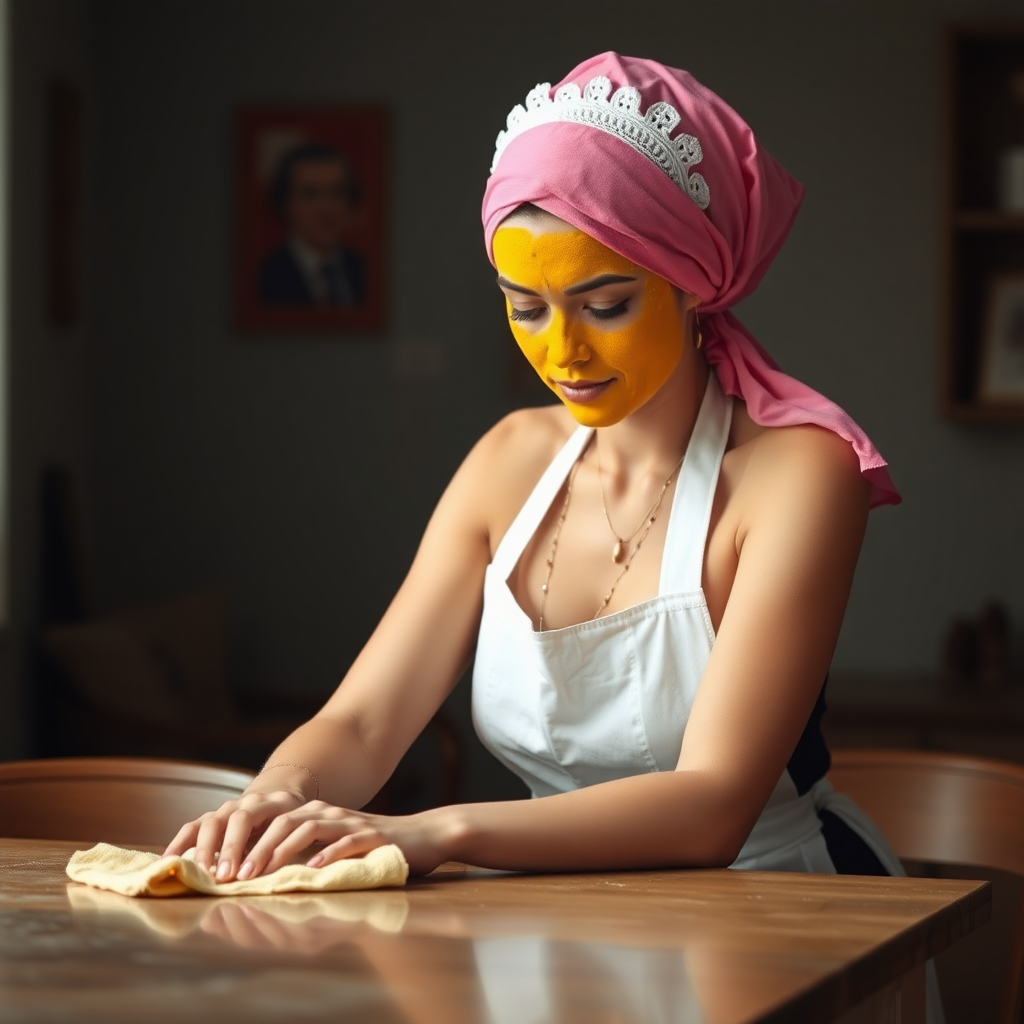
(132, 873)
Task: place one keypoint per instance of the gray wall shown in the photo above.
(298, 473)
(48, 396)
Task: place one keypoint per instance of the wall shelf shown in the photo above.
(988, 220)
(982, 242)
(922, 712)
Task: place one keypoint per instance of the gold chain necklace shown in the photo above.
(646, 523)
(554, 546)
(621, 545)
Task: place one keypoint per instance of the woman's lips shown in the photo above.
(581, 391)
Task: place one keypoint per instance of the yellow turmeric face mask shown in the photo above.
(604, 334)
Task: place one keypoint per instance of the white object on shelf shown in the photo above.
(1011, 179)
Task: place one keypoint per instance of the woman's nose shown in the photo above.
(566, 343)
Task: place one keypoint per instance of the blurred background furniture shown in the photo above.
(153, 679)
(924, 712)
(951, 815)
(982, 221)
(125, 801)
(148, 679)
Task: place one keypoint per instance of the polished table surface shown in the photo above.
(470, 945)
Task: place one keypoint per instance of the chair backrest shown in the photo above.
(125, 801)
(945, 809)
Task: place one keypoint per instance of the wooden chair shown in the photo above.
(947, 809)
(125, 801)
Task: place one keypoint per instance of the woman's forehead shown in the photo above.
(523, 252)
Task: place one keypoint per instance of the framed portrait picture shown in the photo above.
(1002, 362)
(312, 202)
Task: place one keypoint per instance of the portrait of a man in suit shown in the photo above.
(314, 194)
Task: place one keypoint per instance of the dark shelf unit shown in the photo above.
(982, 242)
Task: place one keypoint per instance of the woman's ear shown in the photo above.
(687, 305)
(686, 300)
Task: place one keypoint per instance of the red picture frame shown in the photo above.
(311, 190)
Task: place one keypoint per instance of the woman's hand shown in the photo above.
(346, 833)
(260, 832)
(221, 837)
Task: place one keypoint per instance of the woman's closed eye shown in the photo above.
(521, 315)
(609, 312)
(532, 313)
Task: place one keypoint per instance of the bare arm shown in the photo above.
(410, 664)
(797, 545)
(798, 548)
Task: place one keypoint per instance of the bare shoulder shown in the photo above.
(529, 436)
(802, 472)
(510, 458)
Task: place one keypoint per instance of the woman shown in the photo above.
(669, 549)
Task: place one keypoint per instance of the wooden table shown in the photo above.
(468, 945)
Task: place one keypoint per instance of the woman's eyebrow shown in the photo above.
(576, 289)
(598, 282)
(504, 282)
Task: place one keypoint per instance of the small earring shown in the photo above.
(698, 337)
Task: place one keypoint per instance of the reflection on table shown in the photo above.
(471, 945)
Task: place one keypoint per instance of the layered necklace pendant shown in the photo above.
(621, 553)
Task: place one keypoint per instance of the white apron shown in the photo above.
(610, 698)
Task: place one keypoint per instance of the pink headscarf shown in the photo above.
(602, 185)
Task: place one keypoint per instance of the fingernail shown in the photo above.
(244, 871)
(315, 862)
(223, 870)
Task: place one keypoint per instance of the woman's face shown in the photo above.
(604, 334)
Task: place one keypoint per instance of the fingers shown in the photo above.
(236, 836)
(184, 840)
(221, 837)
(204, 834)
(303, 837)
(208, 842)
(353, 845)
(316, 822)
(289, 834)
